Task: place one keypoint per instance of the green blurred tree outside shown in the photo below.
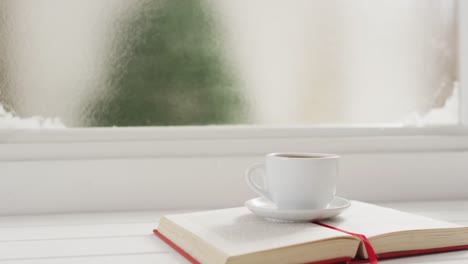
(170, 71)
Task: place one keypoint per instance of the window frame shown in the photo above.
(151, 142)
(56, 151)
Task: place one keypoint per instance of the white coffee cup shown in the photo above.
(298, 181)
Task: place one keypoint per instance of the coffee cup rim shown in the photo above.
(303, 155)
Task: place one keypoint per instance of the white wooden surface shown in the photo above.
(126, 237)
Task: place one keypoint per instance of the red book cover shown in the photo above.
(338, 260)
(398, 234)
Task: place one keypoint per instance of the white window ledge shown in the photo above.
(76, 170)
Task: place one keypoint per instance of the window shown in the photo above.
(200, 62)
(346, 77)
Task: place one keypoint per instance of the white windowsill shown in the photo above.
(202, 167)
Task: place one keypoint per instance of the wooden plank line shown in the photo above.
(82, 247)
(84, 256)
(84, 224)
(62, 232)
(68, 238)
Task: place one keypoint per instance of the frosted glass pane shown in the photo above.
(198, 62)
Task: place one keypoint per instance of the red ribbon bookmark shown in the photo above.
(370, 251)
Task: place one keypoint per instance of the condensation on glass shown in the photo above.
(196, 62)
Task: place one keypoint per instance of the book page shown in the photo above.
(372, 220)
(237, 231)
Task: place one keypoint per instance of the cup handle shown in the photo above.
(249, 173)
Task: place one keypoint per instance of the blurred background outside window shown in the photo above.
(104, 63)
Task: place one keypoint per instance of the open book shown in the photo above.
(235, 235)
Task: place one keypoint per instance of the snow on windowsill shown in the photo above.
(446, 115)
(9, 120)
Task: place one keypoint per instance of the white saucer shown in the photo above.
(263, 207)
